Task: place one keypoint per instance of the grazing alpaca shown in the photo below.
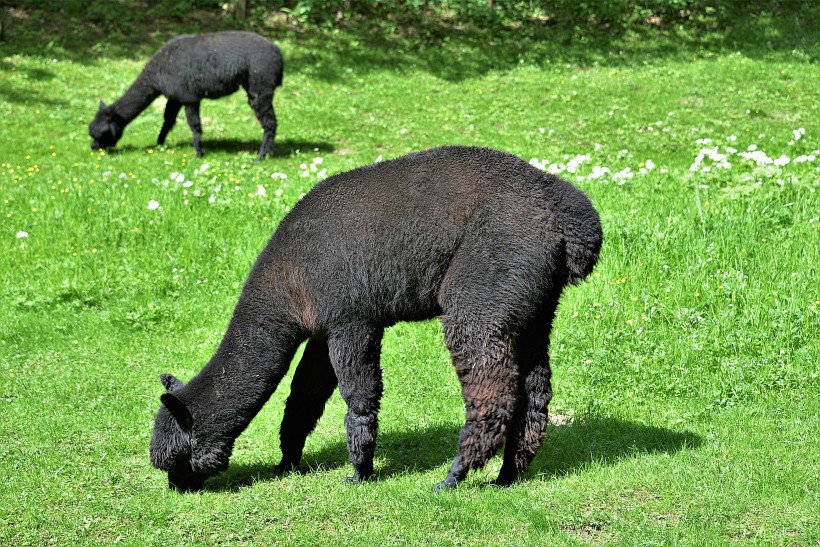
(474, 236)
(190, 68)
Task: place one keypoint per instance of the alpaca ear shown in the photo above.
(170, 382)
(102, 105)
(178, 410)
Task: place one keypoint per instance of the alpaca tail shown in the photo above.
(583, 237)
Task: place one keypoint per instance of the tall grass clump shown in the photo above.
(684, 370)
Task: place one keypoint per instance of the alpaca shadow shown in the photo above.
(568, 449)
(594, 440)
(283, 149)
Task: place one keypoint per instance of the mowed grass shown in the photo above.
(685, 368)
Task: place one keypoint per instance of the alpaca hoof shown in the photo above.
(447, 484)
(357, 478)
(506, 478)
(283, 468)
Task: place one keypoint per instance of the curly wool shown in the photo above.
(474, 236)
(190, 68)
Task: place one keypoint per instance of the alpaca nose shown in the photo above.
(184, 488)
(95, 145)
(185, 482)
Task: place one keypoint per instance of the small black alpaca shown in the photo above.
(190, 68)
(476, 237)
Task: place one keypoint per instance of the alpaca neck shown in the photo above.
(135, 100)
(251, 360)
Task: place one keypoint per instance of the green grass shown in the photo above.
(687, 364)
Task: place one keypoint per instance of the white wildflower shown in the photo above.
(572, 165)
(622, 176)
(152, 205)
(21, 234)
(757, 156)
(598, 172)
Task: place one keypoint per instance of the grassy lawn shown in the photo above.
(687, 400)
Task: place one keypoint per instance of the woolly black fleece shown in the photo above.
(190, 68)
(476, 237)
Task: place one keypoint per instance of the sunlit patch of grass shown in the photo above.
(684, 367)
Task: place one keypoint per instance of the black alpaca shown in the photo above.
(474, 236)
(190, 68)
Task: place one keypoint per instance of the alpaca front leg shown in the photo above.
(192, 115)
(354, 353)
(313, 384)
(170, 118)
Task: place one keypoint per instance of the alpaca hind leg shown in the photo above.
(170, 118)
(313, 384)
(192, 115)
(354, 353)
(489, 383)
(262, 105)
(529, 427)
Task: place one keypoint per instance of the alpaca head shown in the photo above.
(106, 128)
(174, 446)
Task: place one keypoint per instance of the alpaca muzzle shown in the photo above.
(185, 480)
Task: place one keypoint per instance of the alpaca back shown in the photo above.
(378, 240)
(192, 67)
